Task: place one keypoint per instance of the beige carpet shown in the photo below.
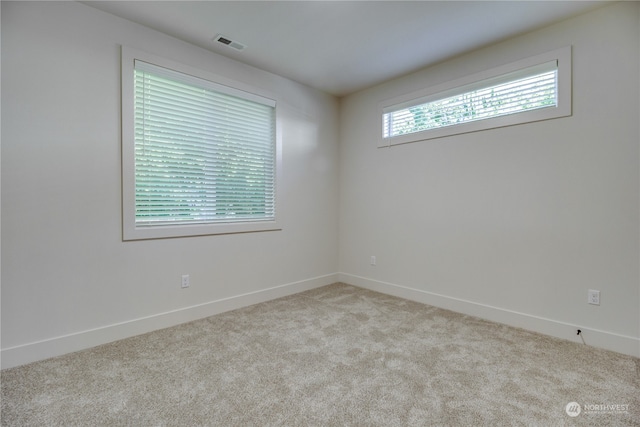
(336, 355)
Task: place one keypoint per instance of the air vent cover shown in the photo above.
(228, 42)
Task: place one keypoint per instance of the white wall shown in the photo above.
(68, 279)
(512, 224)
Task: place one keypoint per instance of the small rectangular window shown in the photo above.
(199, 157)
(512, 94)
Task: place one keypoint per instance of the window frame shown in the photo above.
(130, 230)
(440, 91)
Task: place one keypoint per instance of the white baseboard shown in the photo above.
(40, 350)
(594, 337)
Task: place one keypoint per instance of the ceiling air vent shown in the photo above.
(228, 42)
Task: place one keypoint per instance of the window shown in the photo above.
(534, 89)
(199, 156)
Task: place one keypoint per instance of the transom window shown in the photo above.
(521, 92)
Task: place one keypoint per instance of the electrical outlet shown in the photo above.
(373, 260)
(593, 297)
(185, 281)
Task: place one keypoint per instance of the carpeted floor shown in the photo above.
(337, 355)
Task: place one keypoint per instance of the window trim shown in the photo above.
(129, 229)
(563, 109)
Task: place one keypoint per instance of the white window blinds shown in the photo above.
(204, 152)
(524, 90)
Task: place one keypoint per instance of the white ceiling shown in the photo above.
(344, 46)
